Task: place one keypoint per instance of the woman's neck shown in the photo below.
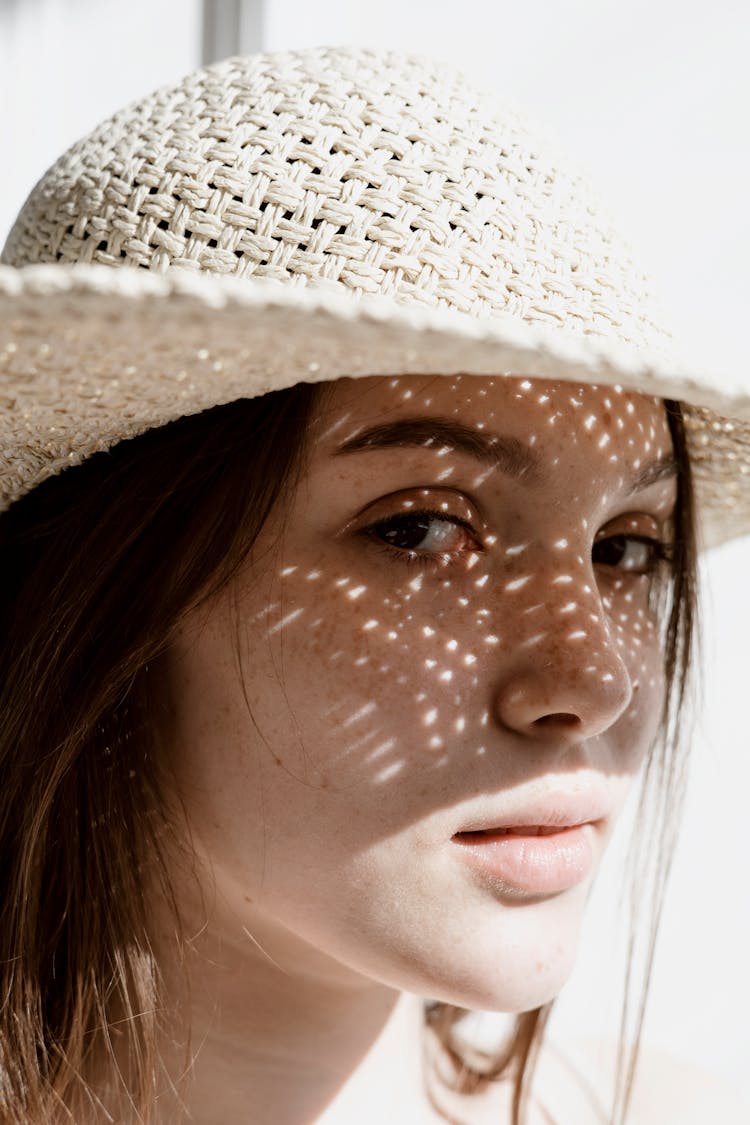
(280, 1033)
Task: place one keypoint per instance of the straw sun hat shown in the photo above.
(307, 215)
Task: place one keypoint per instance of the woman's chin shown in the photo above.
(514, 991)
(512, 971)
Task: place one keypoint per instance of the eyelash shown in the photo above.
(661, 552)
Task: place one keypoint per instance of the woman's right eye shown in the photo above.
(424, 537)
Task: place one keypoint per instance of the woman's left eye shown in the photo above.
(636, 554)
(424, 537)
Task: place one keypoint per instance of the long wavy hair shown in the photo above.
(99, 564)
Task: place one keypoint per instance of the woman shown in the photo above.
(361, 584)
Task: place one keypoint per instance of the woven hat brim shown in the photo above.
(91, 355)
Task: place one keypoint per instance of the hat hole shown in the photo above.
(163, 224)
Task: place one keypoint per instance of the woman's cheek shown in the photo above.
(377, 663)
(369, 674)
(638, 638)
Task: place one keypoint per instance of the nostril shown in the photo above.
(558, 719)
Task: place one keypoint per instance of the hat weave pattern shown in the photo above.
(386, 175)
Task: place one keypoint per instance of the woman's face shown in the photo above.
(449, 620)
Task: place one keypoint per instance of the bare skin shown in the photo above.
(398, 683)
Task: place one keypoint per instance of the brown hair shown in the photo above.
(99, 564)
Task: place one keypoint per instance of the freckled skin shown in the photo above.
(390, 700)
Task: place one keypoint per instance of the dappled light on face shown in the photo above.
(285, 621)
(467, 605)
(532, 642)
(336, 425)
(516, 583)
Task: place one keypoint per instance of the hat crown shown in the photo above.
(382, 173)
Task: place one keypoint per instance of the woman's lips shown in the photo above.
(532, 859)
(525, 830)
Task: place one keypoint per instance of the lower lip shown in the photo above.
(532, 864)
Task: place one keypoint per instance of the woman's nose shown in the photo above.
(566, 677)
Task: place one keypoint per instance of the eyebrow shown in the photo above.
(508, 454)
(511, 456)
(662, 469)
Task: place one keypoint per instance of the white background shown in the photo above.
(652, 99)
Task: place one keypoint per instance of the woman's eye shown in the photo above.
(632, 553)
(423, 536)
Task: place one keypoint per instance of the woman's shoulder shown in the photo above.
(574, 1083)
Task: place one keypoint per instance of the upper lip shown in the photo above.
(553, 809)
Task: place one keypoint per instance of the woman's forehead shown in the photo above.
(619, 428)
